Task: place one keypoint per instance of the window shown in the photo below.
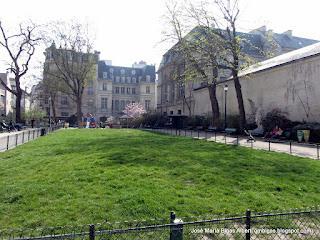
(122, 105)
(90, 103)
(133, 72)
(148, 78)
(64, 100)
(116, 105)
(64, 114)
(90, 91)
(105, 75)
(46, 100)
(133, 90)
(134, 80)
(148, 89)
(147, 104)
(122, 71)
(104, 103)
(117, 90)
(128, 91)
(128, 79)
(179, 112)
(123, 79)
(123, 89)
(111, 70)
(117, 79)
(104, 87)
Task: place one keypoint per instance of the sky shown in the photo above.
(127, 31)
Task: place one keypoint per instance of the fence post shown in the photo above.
(318, 151)
(16, 139)
(290, 147)
(91, 232)
(237, 140)
(269, 145)
(225, 138)
(185, 132)
(8, 142)
(176, 230)
(22, 137)
(215, 136)
(33, 135)
(28, 135)
(248, 224)
(198, 133)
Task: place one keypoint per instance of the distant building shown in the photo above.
(8, 100)
(119, 86)
(192, 98)
(108, 92)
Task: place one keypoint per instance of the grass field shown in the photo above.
(88, 176)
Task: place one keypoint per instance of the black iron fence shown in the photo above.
(13, 139)
(299, 149)
(297, 224)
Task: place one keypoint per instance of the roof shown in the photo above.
(253, 44)
(286, 58)
(143, 72)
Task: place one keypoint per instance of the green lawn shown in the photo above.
(88, 176)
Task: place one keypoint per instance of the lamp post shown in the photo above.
(225, 105)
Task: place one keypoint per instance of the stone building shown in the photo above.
(289, 82)
(108, 91)
(117, 86)
(192, 98)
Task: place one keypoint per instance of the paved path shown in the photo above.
(9, 140)
(297, 149)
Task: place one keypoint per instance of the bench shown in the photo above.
(212, 129)
(230, 131)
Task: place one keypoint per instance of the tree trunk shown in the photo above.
(18, 106)
(53, 106)
(79, 112)
(242, 113)
(214, 104)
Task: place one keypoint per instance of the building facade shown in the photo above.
(107, 92)
(192, 98)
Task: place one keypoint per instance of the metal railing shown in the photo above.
(290, 147)
(13, 139)
(296, 224)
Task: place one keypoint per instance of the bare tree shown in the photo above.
(73, 62)
(197, 52)
(20, 48)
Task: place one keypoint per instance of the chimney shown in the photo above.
(288, 33)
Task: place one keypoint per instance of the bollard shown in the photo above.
(205, 134)
(16, 139)
(28, 135)
(317, 151)
(185, 132)
(176, 229)
(237, 140)
(248, 224)
(8, 138)
(215, 136)
(91, 232)
(22, 137)
(269, 145)
(225, 138)
(198, 133)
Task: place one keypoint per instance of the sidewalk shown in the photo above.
(297, 149)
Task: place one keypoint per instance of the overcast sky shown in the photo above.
(128, 31)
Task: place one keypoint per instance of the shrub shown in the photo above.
(275, 118)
